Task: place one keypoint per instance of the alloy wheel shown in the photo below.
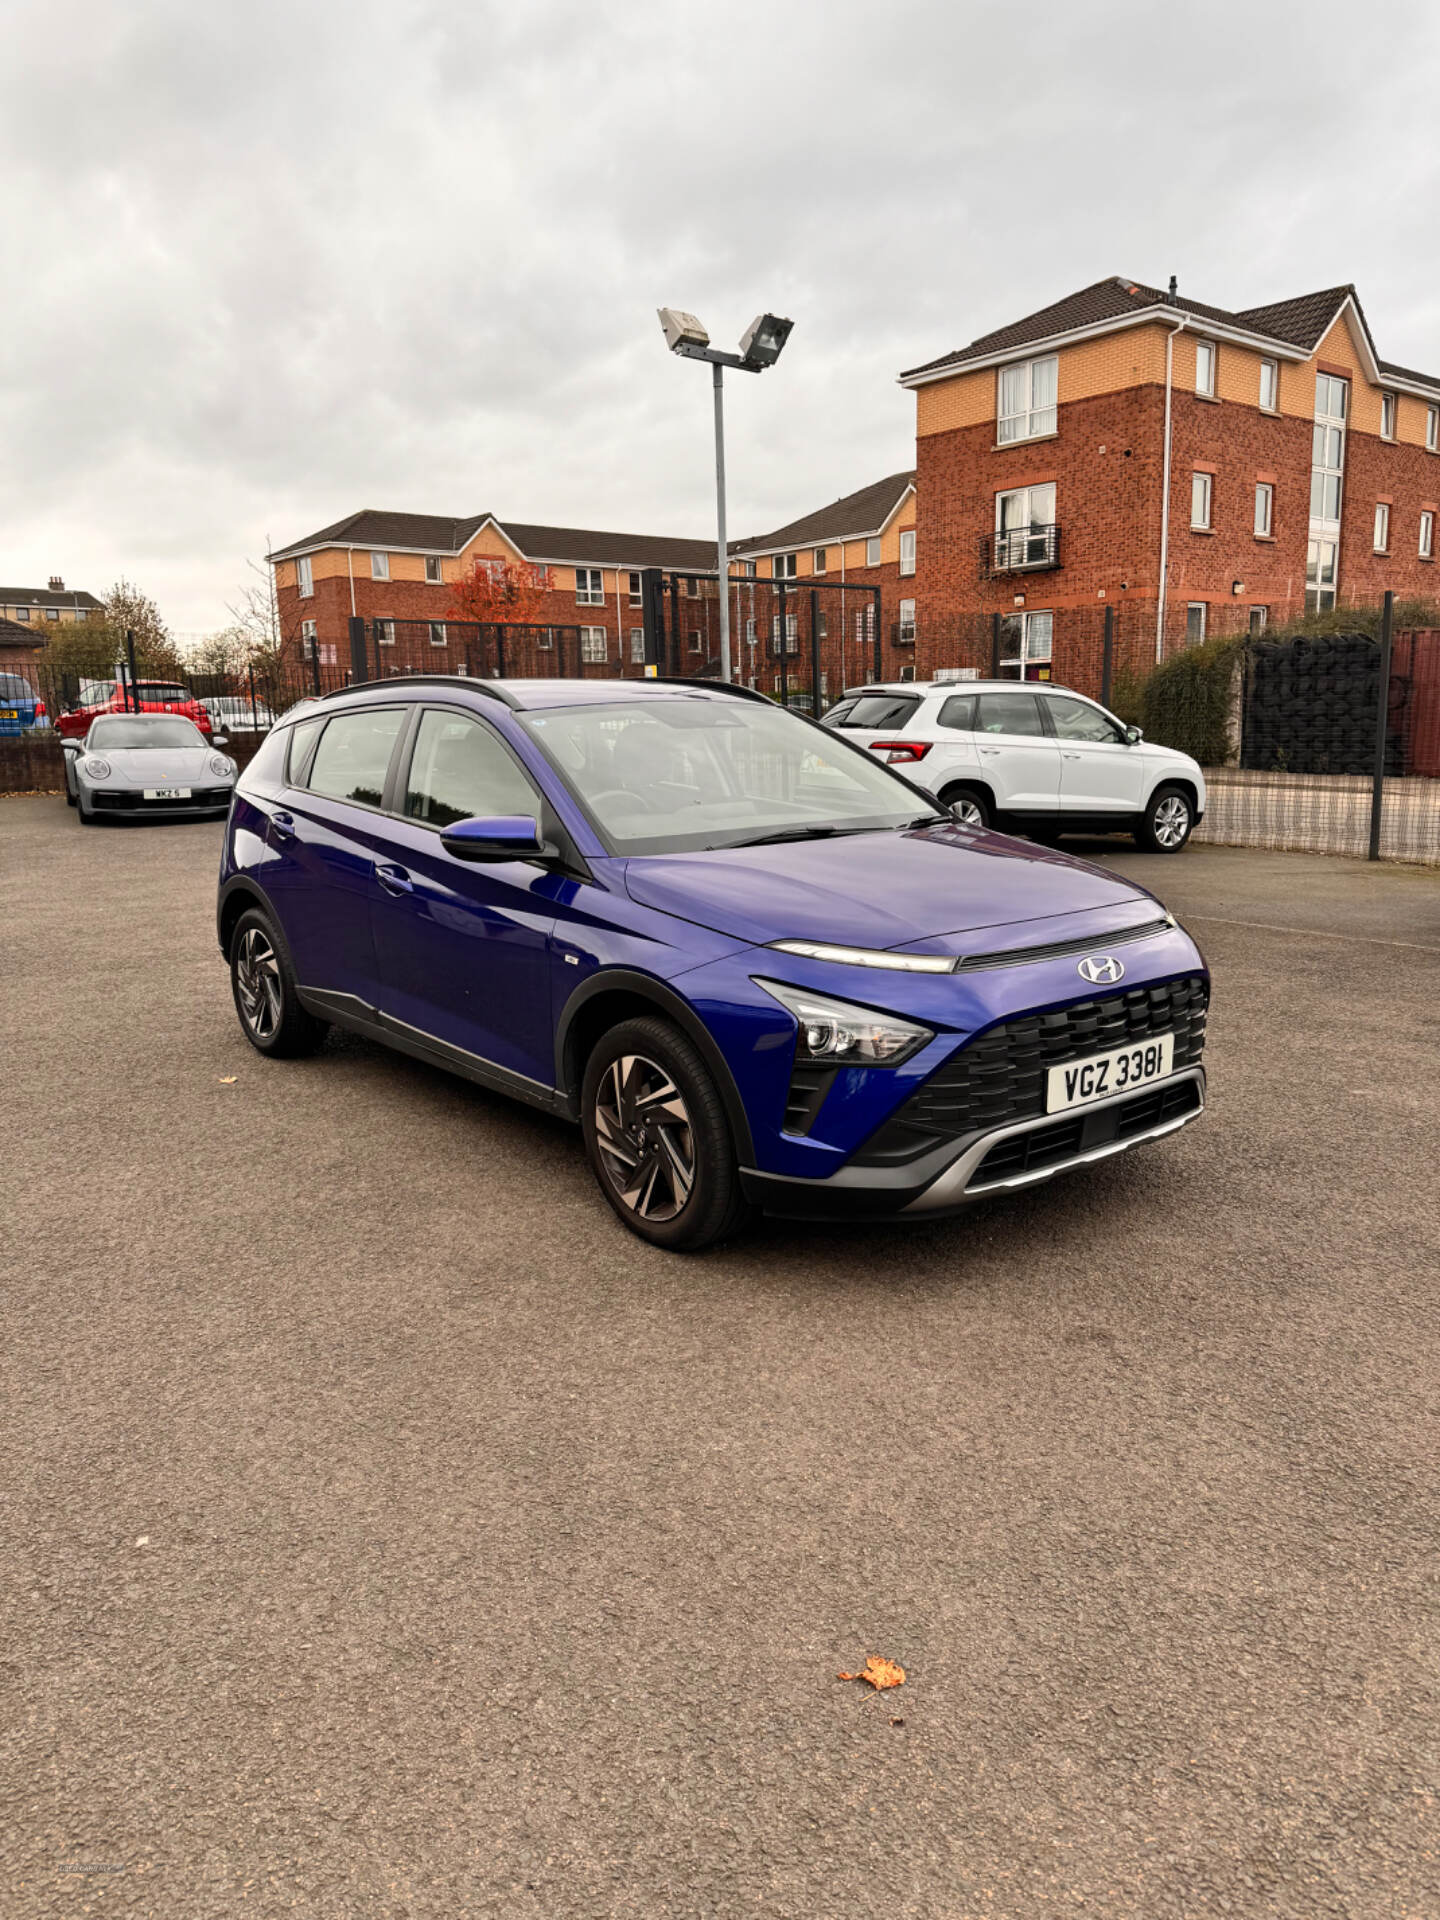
(1171, 821)
(642, 1128)
(968, 813)
(257, 983)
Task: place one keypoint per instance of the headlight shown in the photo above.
(868, 957)
(97, 768)
(834, 1032)
(219, 764)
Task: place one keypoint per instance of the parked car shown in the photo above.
(20, 706)
(1036, 757)
(146, 766)
(237, 713)
(146, 696)
(759, 968)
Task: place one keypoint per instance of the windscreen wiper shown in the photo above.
(784, 833)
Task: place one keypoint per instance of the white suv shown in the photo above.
(1028, 756)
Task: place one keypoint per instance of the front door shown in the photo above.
(464, 947)
(1099, 772)
(1018, 758)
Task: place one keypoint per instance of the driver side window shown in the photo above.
(1074, 720)
(460, 770)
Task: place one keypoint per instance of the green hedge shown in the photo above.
(1186, 701)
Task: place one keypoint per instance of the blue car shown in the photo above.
(760, 969)
(20, 706)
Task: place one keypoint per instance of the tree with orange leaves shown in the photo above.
(501, 592)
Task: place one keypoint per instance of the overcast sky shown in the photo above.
(271, 262)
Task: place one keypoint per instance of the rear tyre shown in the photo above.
(263, 983)
(658, 1139)
(970, 805)
(1167, 822)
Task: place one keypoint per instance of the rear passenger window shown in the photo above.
(353, 756)
(460, 770)
(1008, 713)
(958, 711)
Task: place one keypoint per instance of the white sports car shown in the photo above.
(131, 766)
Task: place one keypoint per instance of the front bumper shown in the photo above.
(118, 803)
(989, 1161)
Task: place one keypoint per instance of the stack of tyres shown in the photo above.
(1311, 707)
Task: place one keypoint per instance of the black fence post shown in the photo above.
(814, 654)
(315, 665)
(784, 644)
(499, 650)
(133, 703)
(652, 615)
(254, 717)
(1382, 722)
(876, 613)
(995, 646)
(1107, 657)
(359, 654)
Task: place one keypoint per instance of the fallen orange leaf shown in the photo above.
(879, 1673)
(228, 1079)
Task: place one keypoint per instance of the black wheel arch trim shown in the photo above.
(665, 1001)
(248, 889)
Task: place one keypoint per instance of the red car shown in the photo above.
(154, 696)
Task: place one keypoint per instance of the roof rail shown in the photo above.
(473, 681)
(709, 686)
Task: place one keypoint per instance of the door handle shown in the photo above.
(394, 879)
(990, 750)
(1071, 756)
(283, 823)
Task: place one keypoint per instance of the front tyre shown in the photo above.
(658, 1139)
(970, 806)
(1167, 822)
(263, 983)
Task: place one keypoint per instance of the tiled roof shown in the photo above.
(45, 597)
(1301, 322)
(15, 633)
(437, 533)
(847, 519)
(1408, 373)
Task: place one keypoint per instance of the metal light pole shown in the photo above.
(760, 347)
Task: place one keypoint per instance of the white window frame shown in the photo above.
(594, 645)
(1202, 607)
(1026, 421)
(384, 633)
(1258, 625)
(1207, 358)
(1427, 534)
(819, 563)
(872, 551)
(1382, 526)
(1270, 368)
(1264, 509)
(1202, 501)
(635, 588)
(307, 639)
(697, 640)
(589, 586)
(907, 622)
(438, 627)
(1389, 415)
(907, 550)
(1432, 429)
(434, 570)
(305, 577)
(1019, 630)
(379, 566)
(783, 567)
(637, 646)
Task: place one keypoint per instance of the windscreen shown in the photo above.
(670, 775)
(170, 730)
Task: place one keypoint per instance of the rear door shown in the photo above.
(1099, 772)
(325, 830)
(1018, 758)
(464, 947)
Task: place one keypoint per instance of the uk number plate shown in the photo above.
(1079, 1082)
(167, 793)
(9, 713)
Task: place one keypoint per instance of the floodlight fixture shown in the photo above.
(682, 330)
(763, 340)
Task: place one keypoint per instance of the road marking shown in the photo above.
(1311, 933)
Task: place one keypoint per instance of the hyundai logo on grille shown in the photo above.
(1101, 969)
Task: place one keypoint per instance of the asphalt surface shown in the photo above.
(385, 1532)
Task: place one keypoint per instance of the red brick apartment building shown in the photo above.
(1301, 469)
(397, 567)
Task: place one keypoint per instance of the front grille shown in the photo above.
(132, 802)
(1000, 1076)
(1082, 1132)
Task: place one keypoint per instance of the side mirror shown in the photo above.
(509, 836)
(1133, 736)
(219, 739)
(70, 745)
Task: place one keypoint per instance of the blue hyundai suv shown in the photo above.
(759, 968)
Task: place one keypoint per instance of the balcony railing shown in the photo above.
(1020, 550)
